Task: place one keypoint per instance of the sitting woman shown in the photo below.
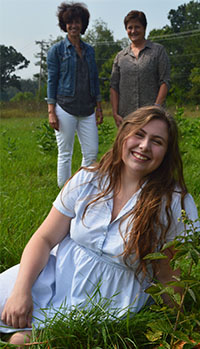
(105, 220)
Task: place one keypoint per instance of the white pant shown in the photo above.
(87, 132)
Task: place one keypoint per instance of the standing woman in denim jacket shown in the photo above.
(73, 90)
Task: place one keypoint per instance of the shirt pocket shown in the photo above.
(148, 64)
(65, 64)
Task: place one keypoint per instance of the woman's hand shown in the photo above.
(18, 310)
(99, 116)
(114, 98)
(53, 120)
(165, 274)
(118, 119)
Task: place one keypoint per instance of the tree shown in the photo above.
(186, 17)
(42, 63)
(194, 93)
(101, 38)
(11, 60)
(42, 75)
(104, 77)
(181, 40)
(29, 85)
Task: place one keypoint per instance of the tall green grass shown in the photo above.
(28, 179)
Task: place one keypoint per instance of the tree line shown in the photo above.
(180, 38)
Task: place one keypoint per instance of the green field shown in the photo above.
(28, 188)
(28, 179)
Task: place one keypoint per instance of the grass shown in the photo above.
(28, 181)
(28, 188)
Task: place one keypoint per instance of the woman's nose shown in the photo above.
(144, 144)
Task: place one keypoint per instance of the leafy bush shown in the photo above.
(22, 97)
(182, 323)
(46, 138)
(106, 133)
(189, 129)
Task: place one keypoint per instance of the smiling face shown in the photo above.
(74, 28)
(144, 151)
(135, 31)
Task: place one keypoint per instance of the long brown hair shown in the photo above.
(144, 220)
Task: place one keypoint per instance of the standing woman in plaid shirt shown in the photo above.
(141, 72)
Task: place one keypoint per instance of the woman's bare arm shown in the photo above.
(162, 94)
(114, 98)
(18, 308)
(165, 274)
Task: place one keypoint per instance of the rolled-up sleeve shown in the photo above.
(115, 75)
(164, 67)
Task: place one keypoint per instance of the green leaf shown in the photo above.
(169, 290)
(161, 325)
(180, 253)
(168, 244)
(156, 255)
(194, 256)
(156, 308)
(177, 283)
(177, 298)
(153, 336)
(192, 294)
(155, 289)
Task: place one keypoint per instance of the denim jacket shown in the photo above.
(61, 63)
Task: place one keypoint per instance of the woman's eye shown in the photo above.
(155, 141)
(139, 134)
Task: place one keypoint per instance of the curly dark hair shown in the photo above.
(139, 15)
(67, 12)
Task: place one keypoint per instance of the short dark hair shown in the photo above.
(67, 12)
(139, 15)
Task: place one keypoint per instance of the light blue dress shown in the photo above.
(90, 255)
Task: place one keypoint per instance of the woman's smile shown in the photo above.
(74, 28)
(140, 156)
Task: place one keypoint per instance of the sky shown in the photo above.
(22, 22)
